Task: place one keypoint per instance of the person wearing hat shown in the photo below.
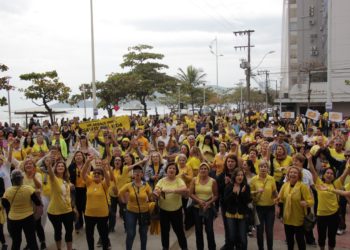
(18, 200)
(138, 195)
(204, 192)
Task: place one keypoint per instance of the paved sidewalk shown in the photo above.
(118, 239)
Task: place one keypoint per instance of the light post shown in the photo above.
(216, 58)
(179, 103)
(93, 83)
(240, 84)
(84, 101)
(263, 58)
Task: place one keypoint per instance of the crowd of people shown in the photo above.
(176, 172)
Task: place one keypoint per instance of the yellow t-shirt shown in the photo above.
(277, 165)
(219, 162)
(30, 182)
(338, 156)
(327, 201)
(120, 180)
(20, 200)
(193, 162)
(19, 155)
(191, 124)
(171, 201)
(189, 174)
(96, 198)
(294, 213)
(80, 183)
(248, 138)
(208, 152)
(203, 191)
(269, 186)
(40, 148)
(60, 200)
(143, 193)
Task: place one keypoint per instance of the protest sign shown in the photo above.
(112, 123)
(287, 115)
(312, 114)
(335, 116)
(268, 132)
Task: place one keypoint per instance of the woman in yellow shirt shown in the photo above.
(76, 178)
(19, 200)
(40, 148)
(209, 149)
(264, 191)
(296, 197)
(204, 192)
(34, 179)
(139, 194)
(96, 211)
(195, 159)
(28, 144)
(328, 202)
(60, 208)
(169, 191)
(219, 160)
(121, 177)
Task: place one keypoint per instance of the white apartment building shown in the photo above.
(313, 46)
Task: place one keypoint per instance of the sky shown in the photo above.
(46, 35)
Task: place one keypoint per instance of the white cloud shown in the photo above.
(43, 35)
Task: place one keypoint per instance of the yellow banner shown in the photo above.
(112, 123)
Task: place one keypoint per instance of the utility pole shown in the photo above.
(266, 73)
(247, 67)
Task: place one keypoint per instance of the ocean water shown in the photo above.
(74, 112)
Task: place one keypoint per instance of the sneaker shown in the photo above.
(42, 246)
(99, 243)
(340, 232)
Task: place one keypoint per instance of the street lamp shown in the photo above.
(263, 58)
(95, 111)
(240, 84)
(84, 95)
(216, 57)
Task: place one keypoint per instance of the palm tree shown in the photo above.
(190, 81)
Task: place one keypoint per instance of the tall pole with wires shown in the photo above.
(246, 66)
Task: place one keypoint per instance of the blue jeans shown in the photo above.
(209, 229)
(238, 230)
(131, 220)
(266, 216)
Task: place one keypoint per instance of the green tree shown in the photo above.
(46, 87)
(191, 80)
(4, 84)
(112, 91)
(145, 76)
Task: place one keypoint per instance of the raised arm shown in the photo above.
(311, 167)
(87, 167)
(107, 172)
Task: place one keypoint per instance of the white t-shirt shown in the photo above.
(5, 174)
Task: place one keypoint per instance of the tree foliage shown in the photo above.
(112, 92)
(46, 87)
(4, 84)
(191, 80)
(145, 76)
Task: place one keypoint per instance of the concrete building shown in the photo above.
(315, 49)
